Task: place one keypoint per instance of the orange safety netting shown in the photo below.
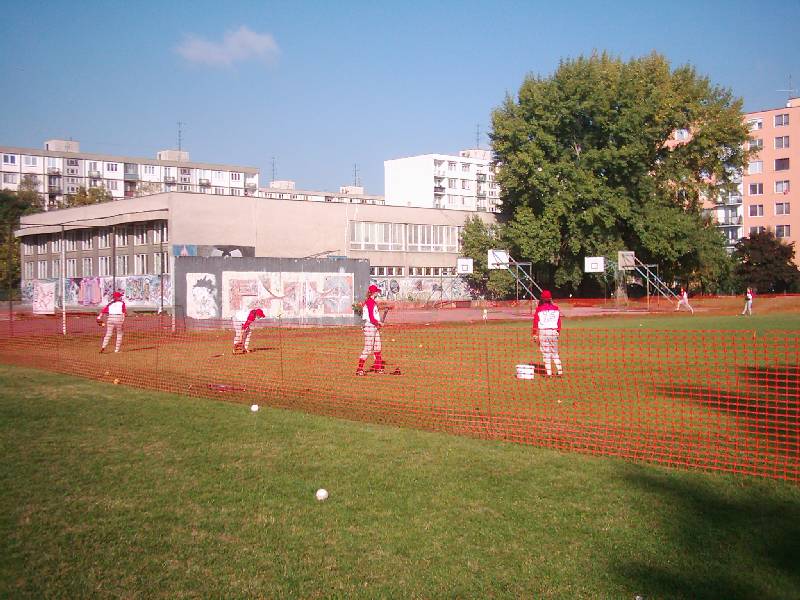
(714, 400)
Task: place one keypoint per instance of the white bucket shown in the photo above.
(526, 371)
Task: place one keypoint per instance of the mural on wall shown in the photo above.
(140, 291)
(292, 295)
(424, 289)
(213, 251)
(44, 297)
(201, 296)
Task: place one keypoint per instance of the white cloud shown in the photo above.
(236, 46)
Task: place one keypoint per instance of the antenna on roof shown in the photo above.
(790, 89)
(180, 135)
(356, 180)
(478, 135)
(274, 169)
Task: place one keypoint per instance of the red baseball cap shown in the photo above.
(546, 295)
(373, 289)
(117, 295)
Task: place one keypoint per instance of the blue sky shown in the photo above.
(324, 86)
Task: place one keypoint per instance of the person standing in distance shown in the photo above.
(115, 311)
(372, 332)
(547, 329)
(242, 320)
(683, 300)
(748, 303)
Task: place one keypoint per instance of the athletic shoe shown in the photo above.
(380, 371)
(360, 373)
(102, 350)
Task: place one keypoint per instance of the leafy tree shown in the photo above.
(588, 165)
(766, 264)
(84, 197)
(13, 205)
(477, 238)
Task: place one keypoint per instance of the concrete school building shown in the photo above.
(137, 244)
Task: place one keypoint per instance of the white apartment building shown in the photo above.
(61, 168)
(348, 194)
(464, 182)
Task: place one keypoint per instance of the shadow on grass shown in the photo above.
(714, 543)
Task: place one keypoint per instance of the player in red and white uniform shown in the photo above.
(683, 300)
(748, 303)
(115, 311)
(372, 332)
(547, 328)
(241, 326)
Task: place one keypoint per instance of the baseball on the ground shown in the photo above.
(322, 494)
(254, 408)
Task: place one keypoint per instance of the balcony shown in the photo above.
(250, 186)
(169, 179)
(437, 189)
(53, 189)
(94, 174)
(481, 194)
(205, 183)
(131, 176)
(481, 177)
(53, 171)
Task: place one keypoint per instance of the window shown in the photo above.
(781, 142)
(236, 176)
(452, 183)
(236, 192)
(72, 162)
(104, 238)
(87, 238)
(56, 268)
(30, 161)
(9, 159)
(71, 242)
(782, 187)
(755, 166)
(756, 144)
(149, 169)
(111, 184)
(29, 270)
(10, 178)
(757, 230)
(432, 238)
(139, 264)
(55, 245)
(139, 234)
(160, 232)
(52, 163)
(104, 266)
(122, 265)
(781, 164)
(465, 184)
(756, 189)
(386, 271)
(41, 269)
(72, 267)
(27, 247)
(754, 124)
(451, 165)
(465, 167)
(111, 167)
(159, 259)
(783, 231)
(781, 120)
(121, 236)
(219, 191)
(41, 244)
(87, 267)
(782, 208)
(756, 210)
(376, 236)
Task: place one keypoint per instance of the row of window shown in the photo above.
(781, 208)
(105, 264)
(781, 120)
(404, 237)
(156, 232)
(451, 165)
(412, 271)
(757, 189)
(781, 231)
(757, 166)
(782, 141)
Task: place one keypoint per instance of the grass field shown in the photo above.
(107, 491)
(715, 392)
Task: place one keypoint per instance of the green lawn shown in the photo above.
(107, 491)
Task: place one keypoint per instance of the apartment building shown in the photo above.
(463, 182)
(133, 245)
(61, 168)
(348, 194)
(771, 180)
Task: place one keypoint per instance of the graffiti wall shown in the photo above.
(424, 289)
(44, 297)
(139, 291)
(291, 295)
(201, 296)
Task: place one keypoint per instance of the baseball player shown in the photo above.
(372, 332)
(547, 328)
(115, 312)
(748, 303)
(241, 326)
(683, 300)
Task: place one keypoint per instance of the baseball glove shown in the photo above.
(100, 324)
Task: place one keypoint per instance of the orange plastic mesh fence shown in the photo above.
(714, 400)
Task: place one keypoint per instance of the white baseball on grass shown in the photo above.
(254, 407)
(322, 494)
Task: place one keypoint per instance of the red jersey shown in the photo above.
(547, 316)
(115, 307)
(370, 312)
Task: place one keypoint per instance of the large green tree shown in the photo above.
(13, 205)
(766, 264)
(84, 197)
(477, 238)
(589, 164)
